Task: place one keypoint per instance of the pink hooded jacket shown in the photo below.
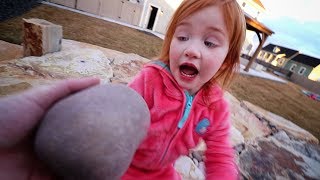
(178, 121)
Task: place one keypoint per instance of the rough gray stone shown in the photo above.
(278, 157)
(93, 134)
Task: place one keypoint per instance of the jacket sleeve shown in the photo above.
(138, 83)
(143, 84)
(220, 162)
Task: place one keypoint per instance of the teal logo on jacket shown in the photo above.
(202, 126)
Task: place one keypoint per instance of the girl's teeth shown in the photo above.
(188, 75)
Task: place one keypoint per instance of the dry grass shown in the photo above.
(283, 99)
(85, 29)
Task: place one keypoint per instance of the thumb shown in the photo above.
(22, 112)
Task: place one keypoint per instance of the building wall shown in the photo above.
(111, 9)
(315, 74)
(121, 10)
(249, 45)
(293, 77)
(251, 8)
(164, 14)
(297, 68)
(278, 60)
(92, 6)
(68, 3)
(306, 83)
(266, 56)
(251, 42)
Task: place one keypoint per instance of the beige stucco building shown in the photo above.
(148, 14)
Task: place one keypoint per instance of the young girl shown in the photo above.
(182, 90)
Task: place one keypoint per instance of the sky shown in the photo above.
(296, 24)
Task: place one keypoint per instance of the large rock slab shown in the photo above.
(53, 66)
(10, 51)
(75, 59)
(280, 157)
(187, 169)
(245, 122)
(280, 123)
(125, 67)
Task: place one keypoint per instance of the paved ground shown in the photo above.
(261, 74)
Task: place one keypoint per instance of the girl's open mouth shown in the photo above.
(188, 70)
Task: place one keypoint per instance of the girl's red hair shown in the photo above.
(236, 27)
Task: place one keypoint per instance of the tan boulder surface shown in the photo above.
(10, 51)
(280, 123)
(74, 60)
(267, 145)
(247, 123)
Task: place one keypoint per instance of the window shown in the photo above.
(276, 49)
(302, 70)
(249, 47)
(271, 57)
(261, 54)
(293, 66)
(267, 55)
(281, 61)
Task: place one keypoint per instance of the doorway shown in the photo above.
(152, 18)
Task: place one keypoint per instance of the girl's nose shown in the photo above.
(192, 51)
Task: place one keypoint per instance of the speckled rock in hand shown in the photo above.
(93, 134)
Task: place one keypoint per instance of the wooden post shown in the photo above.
(253, 58)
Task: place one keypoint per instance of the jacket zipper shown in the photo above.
(182, 121)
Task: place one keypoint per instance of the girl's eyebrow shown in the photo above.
(216, 29)
(212, 28)
(183, 24)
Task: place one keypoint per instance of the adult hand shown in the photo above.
(19, 116)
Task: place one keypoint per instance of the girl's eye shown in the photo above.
(209, 44)
(182, 38)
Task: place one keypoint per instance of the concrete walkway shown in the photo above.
(261, 74)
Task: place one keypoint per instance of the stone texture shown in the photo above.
(10, 51)
(125, 67)
(41, 37)
(236, 136)
(187, 169)
(279, 157)
(70, 62)
(245, 122)
(93, 134)
(280, 123)
(267, 146)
